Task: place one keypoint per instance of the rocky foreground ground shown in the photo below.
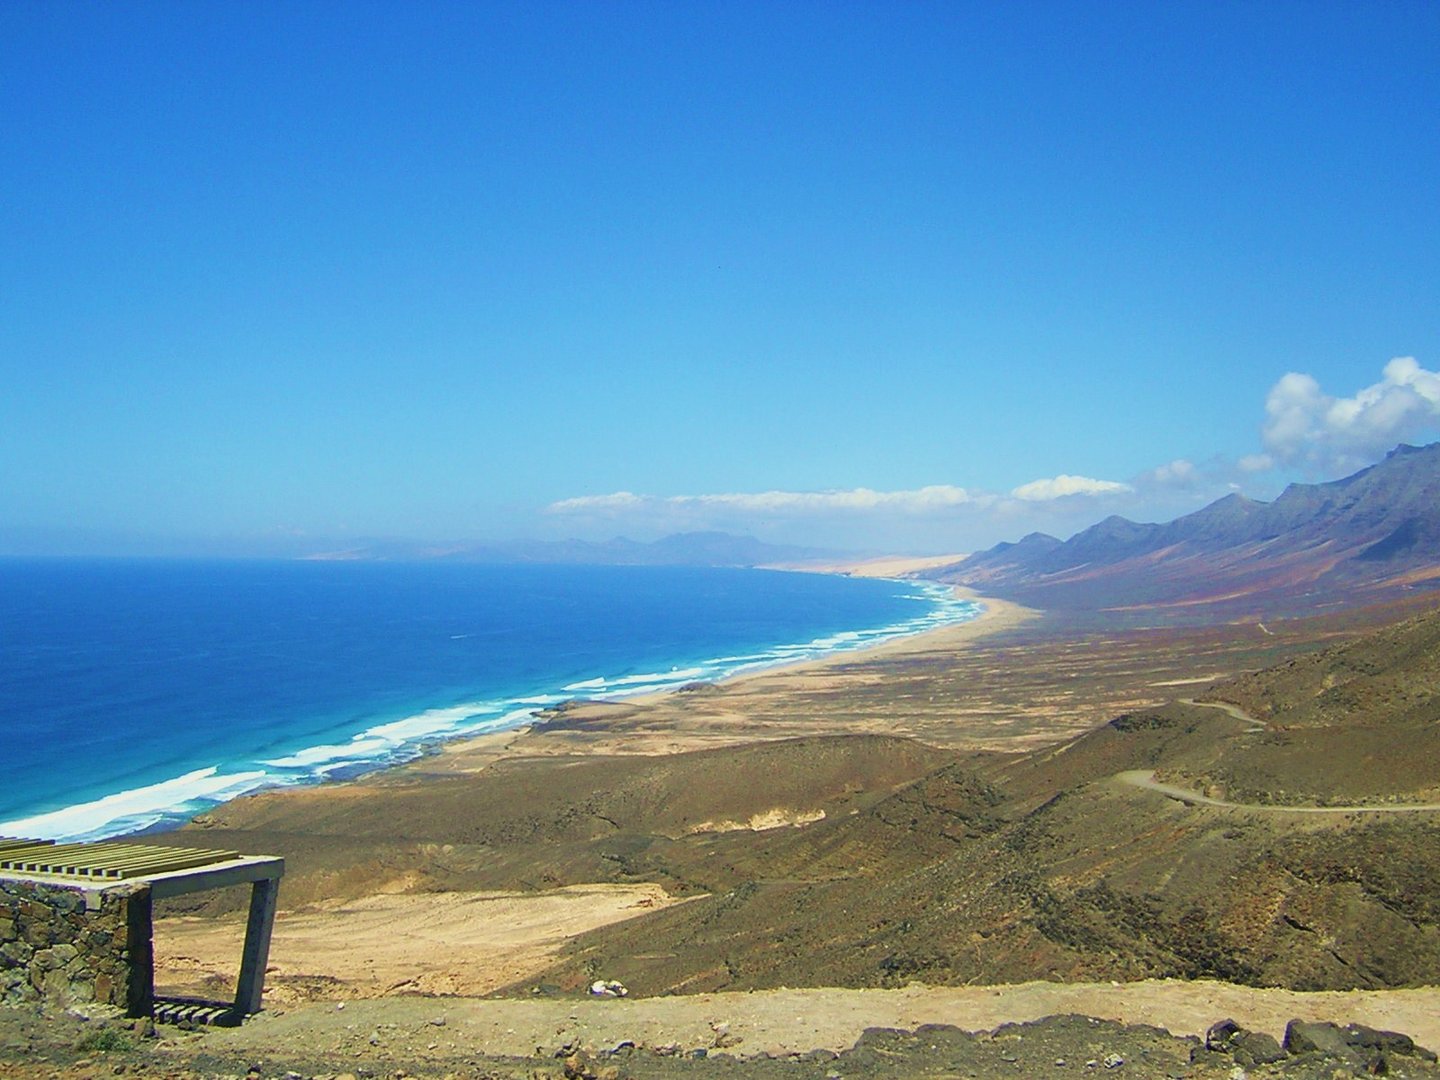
(35, 1046)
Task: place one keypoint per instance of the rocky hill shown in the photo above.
(1367, 535)
(1353, 722)
(1055, 864)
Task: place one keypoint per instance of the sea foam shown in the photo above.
(138, 808)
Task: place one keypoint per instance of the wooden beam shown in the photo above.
(242, 871)
(256, 952)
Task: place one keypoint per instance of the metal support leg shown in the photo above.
(263, 895)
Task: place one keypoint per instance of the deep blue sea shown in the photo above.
(137, 693)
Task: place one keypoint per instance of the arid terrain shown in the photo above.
(984, 1033)
(1165, 826)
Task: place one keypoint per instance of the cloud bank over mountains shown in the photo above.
(1306, 426)
(1064, 485)
(1303, 429)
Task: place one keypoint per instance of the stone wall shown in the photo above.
(63, 946)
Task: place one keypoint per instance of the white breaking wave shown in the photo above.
(653, 678)
(139, 808)
(386, 739)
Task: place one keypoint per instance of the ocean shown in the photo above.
(135, 694)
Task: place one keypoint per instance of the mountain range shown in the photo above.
(1366, 536)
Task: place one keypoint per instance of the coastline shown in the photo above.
(600, 717)
(395, 742)
(598, 726)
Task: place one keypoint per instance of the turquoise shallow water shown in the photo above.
(136, 693)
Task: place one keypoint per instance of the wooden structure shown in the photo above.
(164, 872)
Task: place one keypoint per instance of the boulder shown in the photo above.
(1221, 1035)
(1252, 1048)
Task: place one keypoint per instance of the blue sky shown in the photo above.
(906, 277)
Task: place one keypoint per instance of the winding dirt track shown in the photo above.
(1145, 778)
(1252, 724)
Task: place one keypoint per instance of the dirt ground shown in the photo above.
(781, 1022)
(1035, 1029)
(398, 944)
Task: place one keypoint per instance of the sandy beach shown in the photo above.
(881, 566)
(728, 711)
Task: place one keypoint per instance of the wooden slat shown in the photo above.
(16, 851)
(106, 860)
(10, 844)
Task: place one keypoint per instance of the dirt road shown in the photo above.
(1145, 778)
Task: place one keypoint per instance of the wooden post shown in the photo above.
(263, 895)
(140, 949)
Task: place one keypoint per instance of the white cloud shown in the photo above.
(932, 499)
(620, 500)
(1178, 473)
(1304, 425)
(923, 500)
(1253, 463)
(1061, 486)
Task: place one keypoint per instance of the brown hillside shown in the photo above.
(540, 824)
(1388, 676)
(1049, 865)
(1352, 722)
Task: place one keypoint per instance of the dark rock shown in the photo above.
(1351, 1042)
(1252, 1048)
(1215, 1059)
(1303, 1037)
(1221, 1036)
(1374, 1039)
(699, 688)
